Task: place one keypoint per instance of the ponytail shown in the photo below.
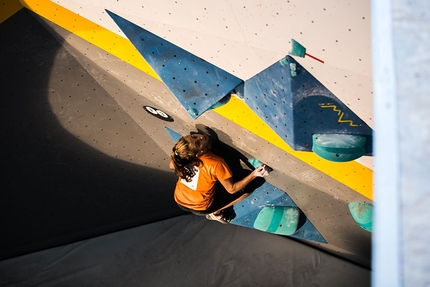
(184, 159)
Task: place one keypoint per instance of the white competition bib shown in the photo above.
(195, 180)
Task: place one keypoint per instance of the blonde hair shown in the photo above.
(184, 158)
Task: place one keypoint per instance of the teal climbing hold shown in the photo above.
(284, 62)
(221, 102)
(297, 49)
(293, 69)
(339, 147)
(255, 162)
(282, 220)
(362, 213)
(193, 112)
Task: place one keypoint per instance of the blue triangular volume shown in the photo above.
(267, 195)
(296, 106)
(174, 135)
(197, 84)
(269, 95)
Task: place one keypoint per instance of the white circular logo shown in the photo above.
(158, 113)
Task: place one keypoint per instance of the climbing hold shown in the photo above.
(298, 50)
(293, 70)
(339, 147)
(221, 102)
(193, 112)
(284, 62)
(255, 162)
(362, 213)
(282, 220)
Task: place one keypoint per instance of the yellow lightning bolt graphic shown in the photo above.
(339, 113)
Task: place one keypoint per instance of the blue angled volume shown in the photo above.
(197, 84)
(296, 106)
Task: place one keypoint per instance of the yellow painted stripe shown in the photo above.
(352, 174)
(91, 32)
(8, 8)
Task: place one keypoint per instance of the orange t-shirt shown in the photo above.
(198, 194)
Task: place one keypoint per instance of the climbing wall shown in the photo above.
(243, 40)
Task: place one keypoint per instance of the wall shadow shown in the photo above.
(56, 189)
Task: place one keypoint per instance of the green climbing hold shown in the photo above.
(297, 49)
(221, 102)
(362, 213)
(193, 112)
(255, 162)
(284, 62)
(282, 220)
(338, 147)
